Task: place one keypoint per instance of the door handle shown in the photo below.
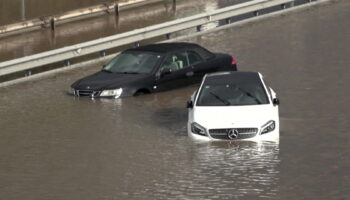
(189, 74)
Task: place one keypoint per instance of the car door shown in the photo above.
(199, 65)
(173, 71)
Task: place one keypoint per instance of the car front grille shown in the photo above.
(89, 93)
(242, 133)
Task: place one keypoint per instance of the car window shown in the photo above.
(232, 95)
(205, 54)
(175, 62)
(194, 58)
(133, 62)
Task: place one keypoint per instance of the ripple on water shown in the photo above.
(221, 170)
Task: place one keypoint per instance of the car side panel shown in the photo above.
(221, 62)
(173, 80)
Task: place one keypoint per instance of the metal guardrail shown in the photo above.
(100, 45)
(73, 15)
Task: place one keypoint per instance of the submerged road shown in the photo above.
(54, 146)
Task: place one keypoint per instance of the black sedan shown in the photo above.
(153, 68)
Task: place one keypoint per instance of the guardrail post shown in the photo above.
(167, 36)
(102, 53)
(66, 63)
(199, 28)
(28, 73)
(23, 10)
(52, 24)
(174, 5)
(116, 8)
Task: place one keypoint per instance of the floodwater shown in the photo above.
(17, 10)
(55, 146)
(29, 43)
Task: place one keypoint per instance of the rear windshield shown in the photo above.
(232, 94)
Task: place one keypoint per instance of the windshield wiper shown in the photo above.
(106, 70)
(220, 99)
(130, 72)
(249, 95)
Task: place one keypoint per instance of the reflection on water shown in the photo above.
(224, 170)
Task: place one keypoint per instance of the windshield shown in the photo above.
(133, 62)
(232, 95)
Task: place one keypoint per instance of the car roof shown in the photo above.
(233, 77)
(165, 47)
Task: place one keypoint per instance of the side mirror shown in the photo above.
(189, 104)
(276, 102)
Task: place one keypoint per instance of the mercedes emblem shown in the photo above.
(232, 134)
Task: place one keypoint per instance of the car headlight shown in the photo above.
(71, 90)
(268, 127)
(112, 93)
(198, 129)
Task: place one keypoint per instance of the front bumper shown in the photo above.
(85, 93)
(113, 93)
(235, 134)
(88, 93)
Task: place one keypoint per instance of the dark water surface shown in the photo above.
(54, 146)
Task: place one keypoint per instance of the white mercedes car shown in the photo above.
(233, 106)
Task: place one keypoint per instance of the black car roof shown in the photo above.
(165, 47)
(233, 77)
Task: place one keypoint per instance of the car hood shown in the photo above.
(107, 80)
(235, 116)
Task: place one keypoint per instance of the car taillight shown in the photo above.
(233, 62)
